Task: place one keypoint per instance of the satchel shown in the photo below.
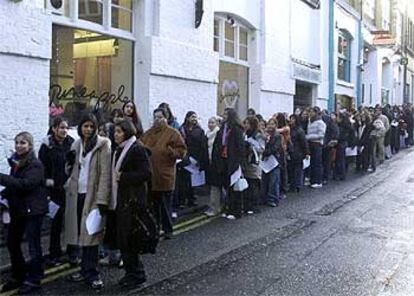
(147, 232)
(240, 185)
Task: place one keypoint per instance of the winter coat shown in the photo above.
(332, 130)
(274, 147)
(98, 192)
(252, 156)
(132, 194)
(24, 187)
(378, 129)
(346, 134)
(53, 157)
(222, 167)
(300, 146)
(166, 146)
(197, 148)
(316, 131)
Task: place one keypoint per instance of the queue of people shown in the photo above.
(137, 180)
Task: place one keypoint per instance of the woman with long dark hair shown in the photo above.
(88, 189)
(53, 154)
(25, 194)
(227, 157)
(130, 112)
(171, 120)
(131, 173)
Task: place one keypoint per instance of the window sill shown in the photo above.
(345, 83)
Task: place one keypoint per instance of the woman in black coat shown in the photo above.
(131, 174)
(300, 150)
(26, 196)
(53, 153)
(197, 150)
(227, 156)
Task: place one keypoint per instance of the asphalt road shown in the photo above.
(350, 238)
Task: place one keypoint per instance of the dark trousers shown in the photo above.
(133, 264)
(234, 202)
(184, 189)
(316, 168)
(340, 163)
(251, 194)
(55, 248)
(162, 207)
(31, 227)
(362, 160)
(327, 163)
(296, 175)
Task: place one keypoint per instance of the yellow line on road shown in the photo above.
(191, 221)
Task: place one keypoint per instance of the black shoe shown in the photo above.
(28, 288)
(10, 285)
(130, 280)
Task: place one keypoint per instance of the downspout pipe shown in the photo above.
(331, 48)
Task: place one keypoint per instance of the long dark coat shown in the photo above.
(132, 193)
(223, 168)
(299, 144)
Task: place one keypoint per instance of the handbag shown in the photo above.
(147, 231)
(240, 185)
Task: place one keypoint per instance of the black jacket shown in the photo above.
(274, 147)
(54, 157)
(132, 193)
(332, 130)
(346, 135)
(300, 146)
(25, 189)
(225, 167)
(197, 148)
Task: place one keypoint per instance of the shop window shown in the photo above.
(344, 57)
(91, 10)
(233, 88)
(229, 40)
(89, 72)
(121, 14)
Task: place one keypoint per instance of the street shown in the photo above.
(350, 238)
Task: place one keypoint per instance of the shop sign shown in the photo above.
(304, 73)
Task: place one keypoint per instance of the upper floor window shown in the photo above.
(231, 39)
(344, 56)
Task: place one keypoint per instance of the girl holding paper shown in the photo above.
(27, 202)
(131, 172)
(271, 179)
(88, 190)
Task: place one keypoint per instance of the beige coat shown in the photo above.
(98, 192)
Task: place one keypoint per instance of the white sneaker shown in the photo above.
(209, 213)
(231, 217)
(224, 215)
(316, 185)
(250, 212)
(174, 215)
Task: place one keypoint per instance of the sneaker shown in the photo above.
(97, 284)
(283, 196)
(272, 204)
(231, 217)
(174, 215)
(250, 212)
(370, 170)
(131, 280)
(76, 277)
(121, 264)
(209, 213)
(224, 215)
(316, 185)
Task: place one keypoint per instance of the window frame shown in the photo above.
(344, 56)
(73, 20)
(222, 41)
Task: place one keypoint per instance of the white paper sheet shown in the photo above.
(269, 164)
(256, 145)
(235, 176)
(94, 223)
(53, 208)
(306, 163)
(351, 151)
(192, 168)
(198, 179)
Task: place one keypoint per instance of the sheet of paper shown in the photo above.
(235, 176)
(192, 168)
(94, 223)
(269, 164)
(53, 209)
(256, 145)
(351, 151)
(306, 163)
(4, 202)
(198, 179)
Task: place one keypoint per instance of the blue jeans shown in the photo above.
(31, 227)
(316, 167)
(271, 186)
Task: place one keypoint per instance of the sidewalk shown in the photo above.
(218, 240)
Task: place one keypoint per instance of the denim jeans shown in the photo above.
(31, 227)
(316, 167)
(271, 186)
(296, 175)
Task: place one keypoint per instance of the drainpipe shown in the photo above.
(331, 48)
(359, 68)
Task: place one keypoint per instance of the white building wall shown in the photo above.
(25, 51)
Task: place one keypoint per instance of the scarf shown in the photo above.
(18, 161)
(116, 166)
(211, 136)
